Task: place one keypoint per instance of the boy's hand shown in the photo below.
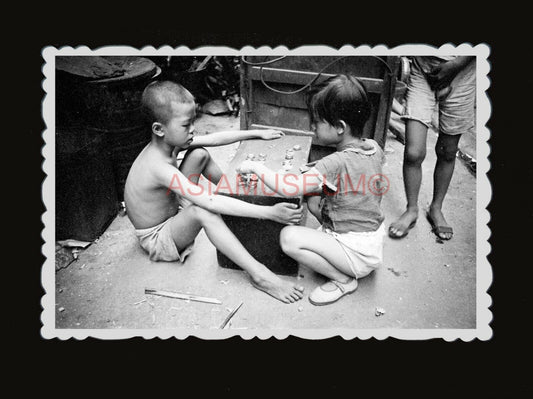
(442, 75)
(269, 134)
(247, 166)
(286, 213)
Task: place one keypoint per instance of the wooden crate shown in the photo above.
(264, 77)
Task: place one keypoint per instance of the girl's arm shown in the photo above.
(313, 204)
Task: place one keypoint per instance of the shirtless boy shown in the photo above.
(167, 207)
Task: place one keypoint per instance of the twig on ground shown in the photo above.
(178, 295)
(228, 318)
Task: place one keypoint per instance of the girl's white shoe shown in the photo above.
(332, 291)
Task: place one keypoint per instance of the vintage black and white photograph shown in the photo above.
(266, 192)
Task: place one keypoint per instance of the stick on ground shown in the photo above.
(229, 317)
(186, 297)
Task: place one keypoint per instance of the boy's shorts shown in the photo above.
(364, 250)
(456, 111)
(160, 245)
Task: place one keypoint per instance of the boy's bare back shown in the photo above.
(148, 200)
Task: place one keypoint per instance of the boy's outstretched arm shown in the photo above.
(174, 180)
(288, 185)
(232, 136)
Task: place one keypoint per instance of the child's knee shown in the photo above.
(446, 151)
(414, 155)
(288, 239)
(199, 155)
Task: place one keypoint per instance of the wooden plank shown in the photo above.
(264, 95)
(245, 99)
(385, 102)
(275, 155)
(367, 66)
(272, 115)
(302, 78)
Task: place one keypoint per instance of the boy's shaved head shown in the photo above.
(157, 99)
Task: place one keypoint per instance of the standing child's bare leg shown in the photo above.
(186, 225)
(414, 155)
(446, 150)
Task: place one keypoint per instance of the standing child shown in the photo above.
(166, 206)
(450, 83)
(349, 244)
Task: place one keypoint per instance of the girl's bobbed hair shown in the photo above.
(341, 97)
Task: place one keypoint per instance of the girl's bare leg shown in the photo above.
(316, 250)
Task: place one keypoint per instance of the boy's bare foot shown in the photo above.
(400, 228)
(441, 228)
(280, 289)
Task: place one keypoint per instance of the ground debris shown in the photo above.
(122, 209)
(379, 312)
(300, 308)
(177, 295)
(228, 318)
(397, 272)
(74, 243)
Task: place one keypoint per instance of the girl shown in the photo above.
(349, 243)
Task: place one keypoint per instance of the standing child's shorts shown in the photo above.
(159, 244)
(456, 110)
(364, 250)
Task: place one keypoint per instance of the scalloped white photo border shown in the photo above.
(483, 330)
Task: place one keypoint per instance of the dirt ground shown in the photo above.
(423, 283)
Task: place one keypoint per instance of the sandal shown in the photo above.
(332, 291)
(438, 230)
(392, 235)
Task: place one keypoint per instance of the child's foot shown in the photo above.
(441, 228)
(283, 290)
(406, 222)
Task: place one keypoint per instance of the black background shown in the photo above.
(271, 367)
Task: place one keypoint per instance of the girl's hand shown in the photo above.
(286, 213)
(247, 166)
(269, 134)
